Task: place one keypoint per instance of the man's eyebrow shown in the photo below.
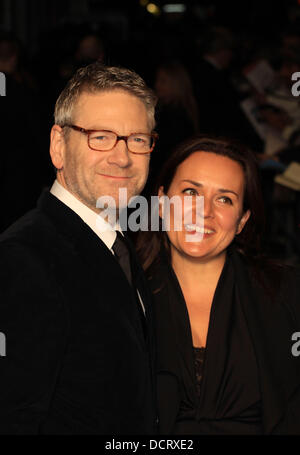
(103, 128)
(220, 190)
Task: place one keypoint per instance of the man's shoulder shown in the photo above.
(30, 224)
(32, 232)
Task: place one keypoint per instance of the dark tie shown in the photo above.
(122, 254)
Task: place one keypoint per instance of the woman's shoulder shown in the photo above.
(273, 277)
(277, 273)
(290, 282)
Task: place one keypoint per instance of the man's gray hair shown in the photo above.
(97, 77)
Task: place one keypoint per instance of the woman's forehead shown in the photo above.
(209, 168)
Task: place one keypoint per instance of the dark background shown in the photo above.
(140, 36)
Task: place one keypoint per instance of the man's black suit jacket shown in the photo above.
(77, 361)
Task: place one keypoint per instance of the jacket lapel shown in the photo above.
(143, 289)
(97, 257)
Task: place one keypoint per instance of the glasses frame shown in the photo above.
(154, 136)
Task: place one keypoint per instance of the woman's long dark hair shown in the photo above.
(249, 240)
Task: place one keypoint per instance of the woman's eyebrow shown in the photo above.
(220, 190)
(193, 182)
(224, 190)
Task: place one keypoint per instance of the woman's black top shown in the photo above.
(219, 387)
(199, 354)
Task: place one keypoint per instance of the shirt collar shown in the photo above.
(105, 231)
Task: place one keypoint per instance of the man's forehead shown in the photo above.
(109, 95)
(109, 105)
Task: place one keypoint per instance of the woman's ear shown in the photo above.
(161, 203)
(243, 221)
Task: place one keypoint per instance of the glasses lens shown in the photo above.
(102, 140)
(140, 143)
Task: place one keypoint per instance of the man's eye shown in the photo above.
(100, 138)
(225, 200)
(139, 139)
(190, 191)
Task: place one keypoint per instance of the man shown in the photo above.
(78, 330)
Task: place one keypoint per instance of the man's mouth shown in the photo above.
(116, 177)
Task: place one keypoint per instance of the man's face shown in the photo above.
(90, 174)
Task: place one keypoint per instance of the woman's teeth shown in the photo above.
(194, 227)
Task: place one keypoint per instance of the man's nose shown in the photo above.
(120, 154)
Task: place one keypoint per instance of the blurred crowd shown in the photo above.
(224, 83)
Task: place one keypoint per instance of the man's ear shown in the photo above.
(57, 147)
(243, 221)
(161, 206)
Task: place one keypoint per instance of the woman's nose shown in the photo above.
(207, 207)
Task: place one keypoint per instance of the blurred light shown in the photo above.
(143, 2)
(175, 8)
(153, 9)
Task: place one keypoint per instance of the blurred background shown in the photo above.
(221, 67)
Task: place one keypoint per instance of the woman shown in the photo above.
(224, 316)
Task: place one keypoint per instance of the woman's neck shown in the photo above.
(193, 272)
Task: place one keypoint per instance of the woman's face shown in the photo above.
(221, 181)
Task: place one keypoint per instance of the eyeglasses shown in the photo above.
(103, 140)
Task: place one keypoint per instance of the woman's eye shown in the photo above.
(190, 191)
(225, 200)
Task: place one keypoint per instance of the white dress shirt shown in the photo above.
(104, 231)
